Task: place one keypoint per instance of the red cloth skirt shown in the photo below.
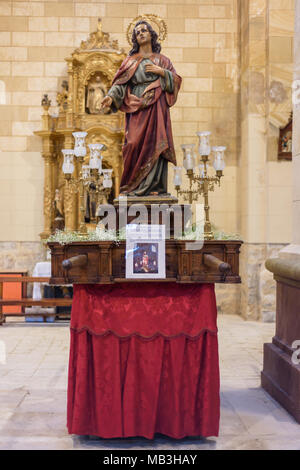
(144, 360)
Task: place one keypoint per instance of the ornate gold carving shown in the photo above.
(48, 196)
(46, 103)
(98, 40)
(62, 97)
(157, 23)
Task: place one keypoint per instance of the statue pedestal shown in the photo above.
(146, 200)
(281, 371)
(154, 210)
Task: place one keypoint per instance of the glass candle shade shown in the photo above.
(219, 161)
(204, 145)
(68, 165)
(188, 156)
(177, 176)
(107, 181)
(94, 163)
(85, 172)
(96, 157)
(79, 146)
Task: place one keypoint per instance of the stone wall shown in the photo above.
(21, 256)
(258, 292)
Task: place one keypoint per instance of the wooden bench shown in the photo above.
(29, 302)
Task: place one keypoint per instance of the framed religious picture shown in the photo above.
(285, 141)
(145, 252)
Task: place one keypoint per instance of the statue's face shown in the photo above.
(142, 34)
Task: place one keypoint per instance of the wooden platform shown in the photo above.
(104, 262)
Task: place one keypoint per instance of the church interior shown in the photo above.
(238, 63)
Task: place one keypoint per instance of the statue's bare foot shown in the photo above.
(154, 193)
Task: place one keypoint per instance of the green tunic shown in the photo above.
(138, 83)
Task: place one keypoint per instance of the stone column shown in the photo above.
(253, 155)
(292, 251)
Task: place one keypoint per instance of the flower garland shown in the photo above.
(100, 234)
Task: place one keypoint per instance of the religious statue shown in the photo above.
(144, 87)
(62, 97)
(145, 262)
(46, 103)
(95, 94)
(59, 221)
(286, 142)
(90, 203)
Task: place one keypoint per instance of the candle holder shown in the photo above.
(201, 183)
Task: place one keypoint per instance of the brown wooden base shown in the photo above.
(281, 379)
(104, 262)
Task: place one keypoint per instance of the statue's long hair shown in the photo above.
(156, 47)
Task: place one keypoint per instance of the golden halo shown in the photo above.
(156, 22)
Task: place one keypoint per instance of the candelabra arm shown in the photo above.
(208, 235)
(82, 226)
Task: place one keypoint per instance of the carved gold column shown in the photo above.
(81, 223)
(48, 157)
(48, 195)
(70, 196)
(75, 104)
(70, 109)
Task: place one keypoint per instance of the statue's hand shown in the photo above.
(106, 102)
(152, 68)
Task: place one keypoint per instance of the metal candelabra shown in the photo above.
(200, 184)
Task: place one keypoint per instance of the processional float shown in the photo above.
(82, 151)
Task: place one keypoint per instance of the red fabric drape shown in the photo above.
(144, 360)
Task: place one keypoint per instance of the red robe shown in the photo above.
(148, 132)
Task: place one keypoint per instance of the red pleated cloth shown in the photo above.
(144, 360)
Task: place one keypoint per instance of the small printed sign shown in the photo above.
(145, 252)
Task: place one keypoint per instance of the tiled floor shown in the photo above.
(33, 384)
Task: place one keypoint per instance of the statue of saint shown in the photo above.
(95, 94)
(59, 221)
(144, 87)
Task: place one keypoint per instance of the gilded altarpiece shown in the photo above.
(91, 69)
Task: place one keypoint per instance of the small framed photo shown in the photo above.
(145, 252)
